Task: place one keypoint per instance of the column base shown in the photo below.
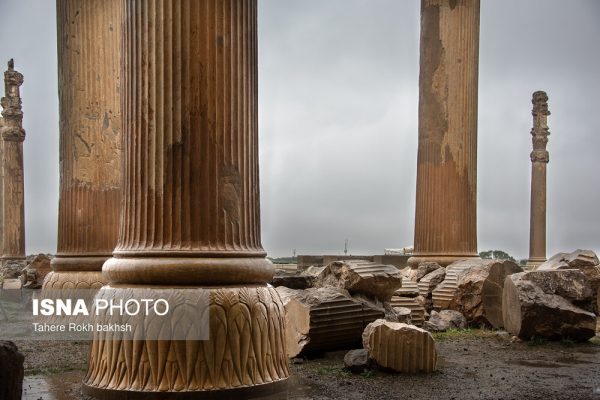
(534, 262)
(275, 390)
(79, 263)
(189, 270)
(442, 259)
(245, 350)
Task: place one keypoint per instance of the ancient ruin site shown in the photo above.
(293, 199)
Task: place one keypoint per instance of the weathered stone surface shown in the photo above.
(417, 311)
(491, 293)
(571, 284)
(426, 268)
(444, 320)
(379, 281)
(356, 361)
(400, 347)
(430, 281)
(336, 319)
(11, 371)
(529, 311)
(293, 280)
(35, 272)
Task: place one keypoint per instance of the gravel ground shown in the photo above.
(473, 365)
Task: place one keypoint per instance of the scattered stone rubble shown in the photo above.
(444, 320)
(376, 280)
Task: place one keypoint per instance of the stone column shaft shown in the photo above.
(446, 204)
(191, 196)
(13, 193)
(89, 42)
(539, 161)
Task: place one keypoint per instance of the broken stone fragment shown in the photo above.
(409, 288)
(293, 280)
(324, 319)
(426, 268)
(417, 311)
(376, 280)
(471, 278)
(532, 307)
(35, 272)
(584, 260)
(444, 320)
(400, 347)
(356, 361)
(430, 281)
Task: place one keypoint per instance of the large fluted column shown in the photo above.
(446, 214)
(89, 40)
(13, 193)
(539, 161)
(191, 201)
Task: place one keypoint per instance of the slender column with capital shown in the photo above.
(446, 204)
(89, 42)
(539, 161)
(191, 202)
(13, 194)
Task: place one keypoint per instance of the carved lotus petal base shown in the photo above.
(245, 350)
(74, 280)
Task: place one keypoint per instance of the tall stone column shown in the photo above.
(13, 193)
(191, 202)
(539, 161)
(89, 42)
(446, 204)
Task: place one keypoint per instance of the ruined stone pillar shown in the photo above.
(191, 202)
(446, 204)
(13, 193)
(539, 160)
(89, 40)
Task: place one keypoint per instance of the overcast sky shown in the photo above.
(338, 121)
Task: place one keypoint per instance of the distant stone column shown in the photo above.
(13, 199)
(89, 42)
(446, 204)
(191, 203)
(539, 160)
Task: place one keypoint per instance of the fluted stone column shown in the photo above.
(539, 161)
(446, 215)
(13, 193)
(191, 201)
(89, 40)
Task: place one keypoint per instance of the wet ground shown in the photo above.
(473, 365)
